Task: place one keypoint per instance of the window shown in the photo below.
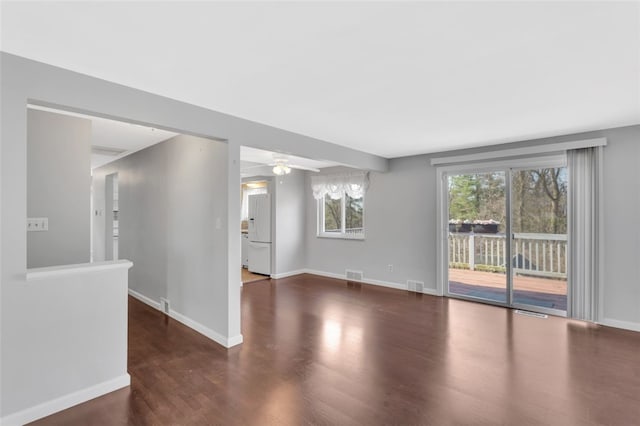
(341, 218)
(340, 204)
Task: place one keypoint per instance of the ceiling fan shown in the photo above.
(282, 166)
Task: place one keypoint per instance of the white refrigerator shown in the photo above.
(260, 233)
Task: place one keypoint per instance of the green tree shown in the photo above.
(332, 214)
(539, 199)
(463, 197)
(491, 197)
(554, 185)
(479, 196)
(353, 212)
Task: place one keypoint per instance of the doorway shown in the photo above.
(112, 230)
(256, 255)
(506, 235)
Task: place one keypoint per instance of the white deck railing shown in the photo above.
(533, 254)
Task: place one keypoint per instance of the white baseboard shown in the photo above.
(325, 274)
(397, 286)
(381, 283)
(288, 274)
(627, 325)
(432, 292)
(205, 331)
(235, 340)
(62, 403)
(145, 299)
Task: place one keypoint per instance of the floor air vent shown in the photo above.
(531, 314)
(353, 275)
(417, 286)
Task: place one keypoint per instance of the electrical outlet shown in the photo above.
(390, 267)
(37, 224)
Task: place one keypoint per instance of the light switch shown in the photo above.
(37, 224)
(218, 223)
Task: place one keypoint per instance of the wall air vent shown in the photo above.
(353, 275)
(417, 286)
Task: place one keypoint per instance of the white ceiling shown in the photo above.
(391, 79)
(116, 135)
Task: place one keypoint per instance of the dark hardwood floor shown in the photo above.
(323, 351)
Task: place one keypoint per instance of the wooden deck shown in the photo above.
(495, 280)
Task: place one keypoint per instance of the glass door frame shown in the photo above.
(507, 167)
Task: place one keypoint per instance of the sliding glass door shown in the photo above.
(507, 237)
(476, 235)
(539, 244)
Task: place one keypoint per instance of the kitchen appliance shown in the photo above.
(260, 233)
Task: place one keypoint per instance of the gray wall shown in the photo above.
(400, 221)
(170, 196)
(58, 187)
(289, 208)
(400, 228)
(622, 227)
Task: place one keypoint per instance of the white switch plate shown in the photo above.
(37, 224)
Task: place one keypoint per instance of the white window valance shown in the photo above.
(353, 184)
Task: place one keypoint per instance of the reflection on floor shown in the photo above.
(324, 351)
(248, 277)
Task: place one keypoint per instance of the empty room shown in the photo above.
(331, 213)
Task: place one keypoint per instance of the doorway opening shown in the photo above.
(274, 196)
(255, 229)
(506, 235)
(112, 230)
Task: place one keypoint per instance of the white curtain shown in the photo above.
(585, 233)
(353, 184)
(245, 200)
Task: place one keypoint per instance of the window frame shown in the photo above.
(343, 235)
